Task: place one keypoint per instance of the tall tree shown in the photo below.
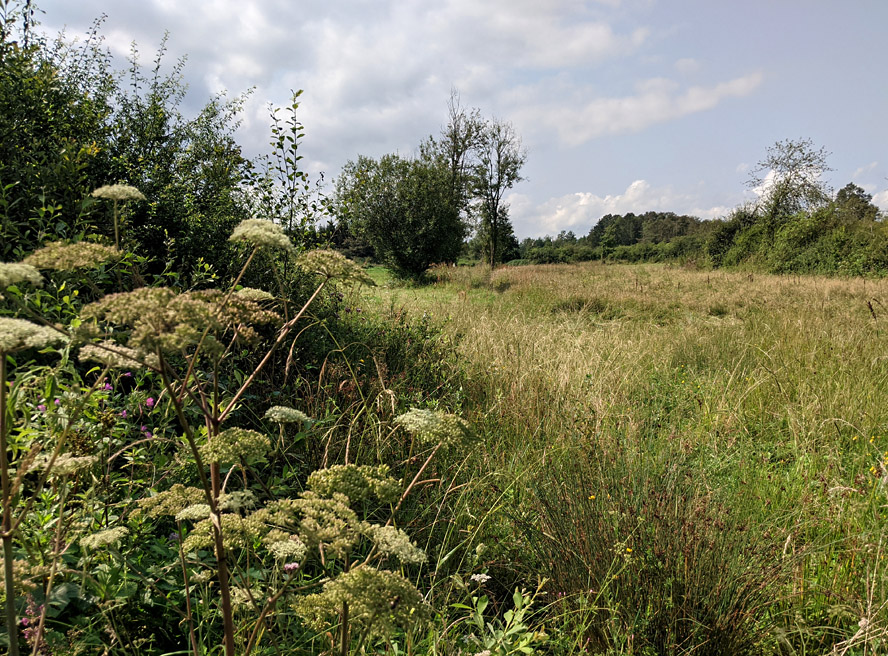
(790, 179)
(500, 158)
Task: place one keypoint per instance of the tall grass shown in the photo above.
(773, 390)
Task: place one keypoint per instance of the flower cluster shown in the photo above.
(18, 334)
(378, 600)
(284, 415)
(162, 319)
(60, 256)
(331, 264)
(12, 273)
(291, 550)
(392, 541)
(255, 295)
(171, 502)
(117, 357)
(237, 533)
(431, 426)
(196, 513)
(66, 464)
(235, 444)
(105, 538)
(328, 524)
(118, 192)
(357, 482)
(262, 234)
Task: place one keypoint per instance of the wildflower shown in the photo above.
(235, 444)
(331, 264)
(357, 482)
(116, 356)
(107, 387)
(118, 192)
(394, 542)
(284, 415)
(237, 533)
(172, 501)
(41, 408)
(195, 513)
(255, 295)
(592, 497)
(291, 567)
(293, 549)
(66, 465)
(480, 578)
(123, 413)
(237, 500)
(379, 601)
(149, 402)
(12, 273)
(18, 334)
(327, 523)
(432, 426)
(104, 538)
(262, 233)
(60, 256)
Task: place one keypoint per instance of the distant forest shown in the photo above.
(842, 235)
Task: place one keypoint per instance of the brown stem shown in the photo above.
(285, 329)
(8, 577)
(191, 634)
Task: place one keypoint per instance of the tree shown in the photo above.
(404, 208)
(790, 179)
(854, 204)
(500, 158)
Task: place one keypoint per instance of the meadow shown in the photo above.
(694, 461)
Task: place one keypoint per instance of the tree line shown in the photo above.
(411, 212)
(796, 225)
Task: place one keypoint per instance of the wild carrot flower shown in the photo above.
(284, 415)
(60, 256)
(234, 444)
(18, 334)
(331, 264)
(12, 273)
(262, 233)
(104, 538)
(118, 192)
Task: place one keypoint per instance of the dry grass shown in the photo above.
(778, 386)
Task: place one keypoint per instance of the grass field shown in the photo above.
(694, 460)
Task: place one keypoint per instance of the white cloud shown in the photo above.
(881, 200)
(687, 65)
(657, 100)
(864, 169)
(580, 211)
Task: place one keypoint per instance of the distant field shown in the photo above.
(771, 393)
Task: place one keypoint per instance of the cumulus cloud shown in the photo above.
(580, 211)
(656, 101)
(880, 200)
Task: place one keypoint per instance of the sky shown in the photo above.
(621, 105)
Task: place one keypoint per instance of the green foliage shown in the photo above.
(405, 208)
